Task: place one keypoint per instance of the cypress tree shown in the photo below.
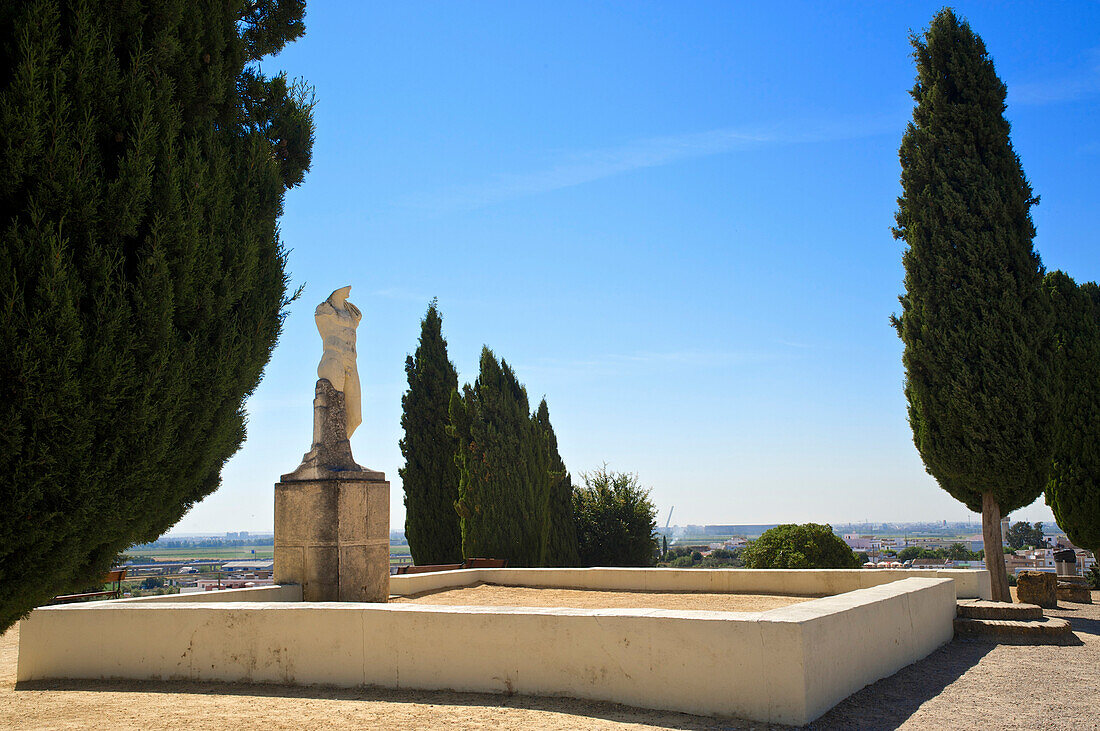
(142, 278)
(561, 547)
(976, 326)
(1073, 489)
(503, 461)
(430, 475)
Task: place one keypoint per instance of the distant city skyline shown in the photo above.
(672, 219)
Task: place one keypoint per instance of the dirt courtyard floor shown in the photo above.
(524, 596)
(965, 684)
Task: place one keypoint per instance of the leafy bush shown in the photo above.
(616, 521)
(807, 546)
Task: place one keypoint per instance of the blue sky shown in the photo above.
(673, 219)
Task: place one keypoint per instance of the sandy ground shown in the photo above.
(966, 684)
(523, 596)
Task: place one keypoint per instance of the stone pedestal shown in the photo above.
(332, 536)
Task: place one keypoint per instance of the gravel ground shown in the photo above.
(976, 684)
(523, 596)
(966, 684)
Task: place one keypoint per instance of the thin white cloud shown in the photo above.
(615, 363)
(794, 344)
(577, 168)
(1081, 83)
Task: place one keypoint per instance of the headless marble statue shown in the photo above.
(336, 321)
(337, 404)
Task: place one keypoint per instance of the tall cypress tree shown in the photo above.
(1073, 489)
(142, 285)
(561, 549)
(430, 475)
(503, 461)
(976, 326)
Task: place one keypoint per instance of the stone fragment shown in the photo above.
(1074, 589)
(330, 456)
(1037, 587)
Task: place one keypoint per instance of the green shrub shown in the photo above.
(807, 546)
(616, 521)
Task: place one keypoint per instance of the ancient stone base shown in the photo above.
(1074, 589)
(1037, 587)
(332, 536)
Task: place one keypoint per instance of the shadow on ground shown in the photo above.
(566, 706)
(888, 703)
(1084, 625)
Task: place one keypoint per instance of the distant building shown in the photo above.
(249, 565)
(975, 542)
(858, 542)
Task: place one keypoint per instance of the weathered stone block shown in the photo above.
(365, 572)
(332, 537)
(1037, 587)
(1074, 589)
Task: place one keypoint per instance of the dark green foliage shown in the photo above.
(430, 475)
(1073, 490)
(976, 327)
(1093, 576)
(807, 546)
(503, 459)
(616, 521)
(959, 552)
(142, 283)
(1021, 535)
(975, 322)
(694, 557)
(955, 552)
(914, 552)
(561, 547)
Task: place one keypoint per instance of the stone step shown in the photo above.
(1051, 629)
(978, 609)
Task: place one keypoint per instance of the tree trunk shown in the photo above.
(994, 553)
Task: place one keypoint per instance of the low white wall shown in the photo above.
(851, 640)
(274, 593)
(969, 583)
(786, 665)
